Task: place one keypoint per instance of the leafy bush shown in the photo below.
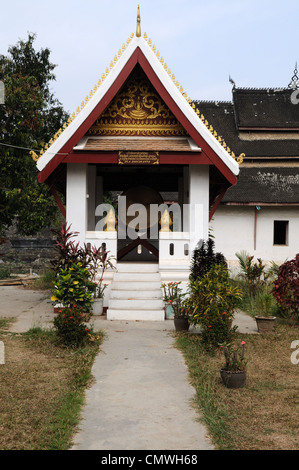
(286, 289)
(212, 303)
(253, 273)
(204, 258)
(68, 252)
(73, 287)
(71, 325)
(76, 268)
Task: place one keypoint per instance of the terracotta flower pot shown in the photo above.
(233, 379)
(265, 324)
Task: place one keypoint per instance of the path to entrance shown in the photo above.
(141, 398)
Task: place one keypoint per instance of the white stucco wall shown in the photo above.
(76, 199)
(233, 231)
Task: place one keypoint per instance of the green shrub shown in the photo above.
(71, 326)
(286, 289)
(73, 287)
(75, 269)
(212, 303)
(252, 272)
(203, 258)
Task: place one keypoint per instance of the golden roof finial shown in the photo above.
(138, 29)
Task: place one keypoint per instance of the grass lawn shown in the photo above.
(264, 415)
(42, 389)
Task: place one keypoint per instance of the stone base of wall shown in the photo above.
(22, 254)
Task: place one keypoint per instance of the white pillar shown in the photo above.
(186, 184)
(76, 199)
(91, 204)
(198, 204)
(99, 190)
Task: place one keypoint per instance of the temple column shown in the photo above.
(76, 199)
(198, 204)
(92, 176)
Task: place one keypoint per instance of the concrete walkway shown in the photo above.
(141, 398)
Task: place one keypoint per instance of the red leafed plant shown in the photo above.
(286, 289)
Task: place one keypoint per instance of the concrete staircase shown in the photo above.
(136, 293)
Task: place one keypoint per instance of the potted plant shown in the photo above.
(264, 320)
(174, 298)
(98, 301)
(181, 317)
(212, 302)
(233, 373)
(99, 261)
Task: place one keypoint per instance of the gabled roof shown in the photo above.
(223, 116)
(265, 108)
(139, 51)
(270, 185)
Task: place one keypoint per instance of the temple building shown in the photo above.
(261, 213)
(142, 170)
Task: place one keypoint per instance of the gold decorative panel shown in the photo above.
(137, 110)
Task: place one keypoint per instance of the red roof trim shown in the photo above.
(166, 158)
(138, 57)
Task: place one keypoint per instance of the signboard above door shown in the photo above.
(138, 158)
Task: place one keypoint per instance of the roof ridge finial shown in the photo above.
(138, 28)
(294, 83)
(232, 81)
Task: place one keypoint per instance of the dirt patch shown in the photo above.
(264, 414)
(31, 386)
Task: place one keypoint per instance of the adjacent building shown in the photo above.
(261, 213)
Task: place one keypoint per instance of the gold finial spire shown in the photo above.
(138, 29)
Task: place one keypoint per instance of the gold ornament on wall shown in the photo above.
(137, 110)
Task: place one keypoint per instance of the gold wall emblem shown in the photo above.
(137, 110)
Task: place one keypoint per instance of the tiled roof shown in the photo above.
(271, 146)
(223, 116)
(265, 185)
(144, 144)
(265, 108)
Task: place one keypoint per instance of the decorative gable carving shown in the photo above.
(137, 110)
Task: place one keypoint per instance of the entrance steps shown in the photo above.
(136, 293)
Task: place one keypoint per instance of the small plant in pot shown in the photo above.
(174, 297)
(99, 262)
(233, 373)
(98, 301)
(264, 320)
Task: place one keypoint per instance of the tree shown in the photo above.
(30, 116)
(204, 257)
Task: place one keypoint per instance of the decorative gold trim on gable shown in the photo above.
(173, 131)
(36, 157)
(137, 110)
(241, 157)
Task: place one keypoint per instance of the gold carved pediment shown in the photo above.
(137, 110)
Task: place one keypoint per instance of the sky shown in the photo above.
(204, 42)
